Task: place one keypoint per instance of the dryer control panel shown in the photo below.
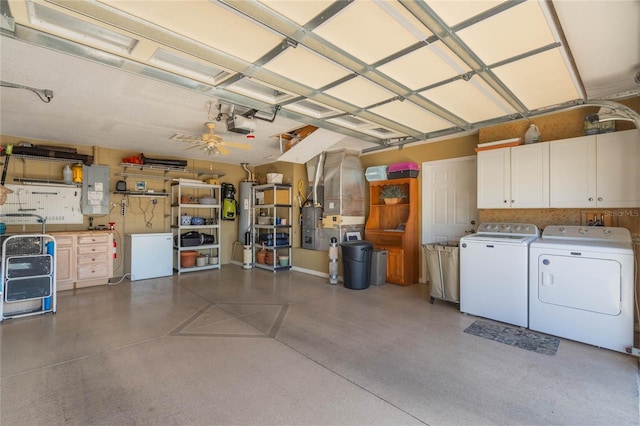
(587, 233)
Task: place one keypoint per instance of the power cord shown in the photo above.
(45, 95)
(121, 279)
(148, 222)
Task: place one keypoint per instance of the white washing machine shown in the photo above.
(494, 271)
(581, 285)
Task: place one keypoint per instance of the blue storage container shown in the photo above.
(375, 173)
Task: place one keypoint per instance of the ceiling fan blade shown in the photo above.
(195, 145)
(223, 150)
(238, 145)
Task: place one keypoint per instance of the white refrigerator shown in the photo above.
(149, 255)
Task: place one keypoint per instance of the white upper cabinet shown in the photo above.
(530, 176)
(596, 171)
(494, 178)
(515, 177)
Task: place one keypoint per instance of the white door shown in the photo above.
(448, 199)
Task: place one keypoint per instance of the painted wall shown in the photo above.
(142, 216)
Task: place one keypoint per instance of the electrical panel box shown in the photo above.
(95, 189)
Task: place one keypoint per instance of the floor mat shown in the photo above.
(514, 336)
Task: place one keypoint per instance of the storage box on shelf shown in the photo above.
(195, 218)
(394, 227)
(271, 213)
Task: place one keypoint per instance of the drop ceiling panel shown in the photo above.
(299, 12)
(360, 92)
(303, 65)
(411, 115)
(539, 81)
(454, 12)
(258, 90)
(473, 100)
(517, 30)
(208, 23)
(367, 32)
(425, 66)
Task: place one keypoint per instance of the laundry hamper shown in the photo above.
(443, 265)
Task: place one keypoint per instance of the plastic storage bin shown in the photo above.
(376, 173)
(356, 264)
(407, 169)
(379, 266)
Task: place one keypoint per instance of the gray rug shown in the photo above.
(515, 336)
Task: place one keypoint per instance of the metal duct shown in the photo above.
(244, 212)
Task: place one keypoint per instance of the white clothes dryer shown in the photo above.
(494, 271)
(581, 285)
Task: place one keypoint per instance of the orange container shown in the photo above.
(188, 258)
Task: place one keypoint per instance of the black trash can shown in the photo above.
(356, 264)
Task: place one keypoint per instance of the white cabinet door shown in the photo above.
(572, 172)
(618, 156)
(530, 176)
(596, 171)
(494, 178)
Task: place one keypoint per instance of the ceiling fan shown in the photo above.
(210, 143)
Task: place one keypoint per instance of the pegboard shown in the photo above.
(57, 204)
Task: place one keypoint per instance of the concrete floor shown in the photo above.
(253, 347)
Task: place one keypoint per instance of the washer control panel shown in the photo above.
(523, 229)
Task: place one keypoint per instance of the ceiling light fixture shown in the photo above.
(45, 95)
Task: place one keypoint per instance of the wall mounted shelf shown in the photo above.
(46, 182)
(167, 168)
(142, 194)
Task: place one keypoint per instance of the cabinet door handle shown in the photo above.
(590, 198)
(505, 201)
(599, 198)
(513, 201)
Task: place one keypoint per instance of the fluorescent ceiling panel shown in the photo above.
(411, 115)
(312, 109)
(517, 30)
(473, 100)
(188, 67)
(364, 126)
(454, 12)
(298, 11)
(305, 66)
(367, 32)
(539, 81)
(258, 90)
(73, 28)
(208, 23)
(425, 66)
(360, 92)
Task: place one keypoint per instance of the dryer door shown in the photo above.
(581, 283)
